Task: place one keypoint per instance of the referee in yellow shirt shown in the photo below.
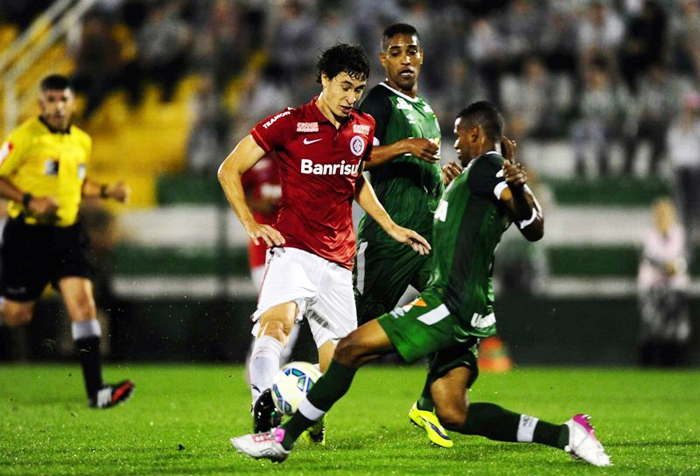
(43, 173)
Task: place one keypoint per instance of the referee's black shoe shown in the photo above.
(265, 414)
(112, 395)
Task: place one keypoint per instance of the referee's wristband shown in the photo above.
(26, 198)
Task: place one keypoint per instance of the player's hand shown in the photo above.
(515, 174)
(266, 233)
(411, 238)
(119, 191)
(450, 171)
(508, 148)
(43, 206)
(424, 149)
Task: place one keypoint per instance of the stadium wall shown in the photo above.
(538, 331)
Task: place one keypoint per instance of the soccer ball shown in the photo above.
(291, 384)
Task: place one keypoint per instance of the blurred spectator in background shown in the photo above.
(685, 39)
(163, 44)
(104, 58)
(601, 111)
(224, 42)
(644, 43)
(263, 92)
(684, 154)
(487, 50)
(208, 136)
(599, 36)
(463, 86)
(558, 42)
(521, 26)
(530, 101)
(664, 330)
(650, 112)
(333, 28)
(293, 44)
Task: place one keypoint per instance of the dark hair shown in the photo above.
(343, 58)
(397, 29)
(55, 82)
(485, 115)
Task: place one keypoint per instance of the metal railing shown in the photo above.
(50, 27)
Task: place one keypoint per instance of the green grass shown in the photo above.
(181, 418)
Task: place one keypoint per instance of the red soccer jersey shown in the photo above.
(262, 181)
(318, 169)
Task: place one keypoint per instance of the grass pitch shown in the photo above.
(181, 417)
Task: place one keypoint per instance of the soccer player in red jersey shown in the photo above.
(319, 147)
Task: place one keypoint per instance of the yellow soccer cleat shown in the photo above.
(429, 422)
(317, 433)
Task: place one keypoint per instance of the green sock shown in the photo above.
(328, 389)
(491, 421)
(551, 435)
(496, 423)
(425, 402)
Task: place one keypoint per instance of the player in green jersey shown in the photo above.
(407, 178)
(454, 312)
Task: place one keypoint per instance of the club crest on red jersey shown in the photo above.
(357, 145)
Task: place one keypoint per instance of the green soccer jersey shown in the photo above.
(469, 222)
(409, 188)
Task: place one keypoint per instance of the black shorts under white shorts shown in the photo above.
(36, 255)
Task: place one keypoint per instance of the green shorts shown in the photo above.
(381, 275)
(426, 328)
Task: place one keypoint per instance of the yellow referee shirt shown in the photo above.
(46, 163)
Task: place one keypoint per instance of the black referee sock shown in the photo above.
(496, 423)
(88, 350)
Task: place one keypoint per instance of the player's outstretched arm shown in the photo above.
(367, 199)
(246, 154)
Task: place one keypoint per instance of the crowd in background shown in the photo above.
(592, 72)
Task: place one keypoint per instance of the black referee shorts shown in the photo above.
(35, 255)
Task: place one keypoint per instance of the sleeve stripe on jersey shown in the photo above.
(499, 188)
(260, 141)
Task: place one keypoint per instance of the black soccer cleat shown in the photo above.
(265, 414)
(112, 395)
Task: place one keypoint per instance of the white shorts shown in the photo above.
(321, 289)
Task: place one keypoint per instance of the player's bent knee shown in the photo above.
(349, 351)
(276, 329)
(451, 417)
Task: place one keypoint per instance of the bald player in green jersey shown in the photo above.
(455, 311)
(408, 180)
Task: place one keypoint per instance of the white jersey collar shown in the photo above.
(399, 93)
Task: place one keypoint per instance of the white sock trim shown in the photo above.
(85, 329)
(526, 428)
(310, 411)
